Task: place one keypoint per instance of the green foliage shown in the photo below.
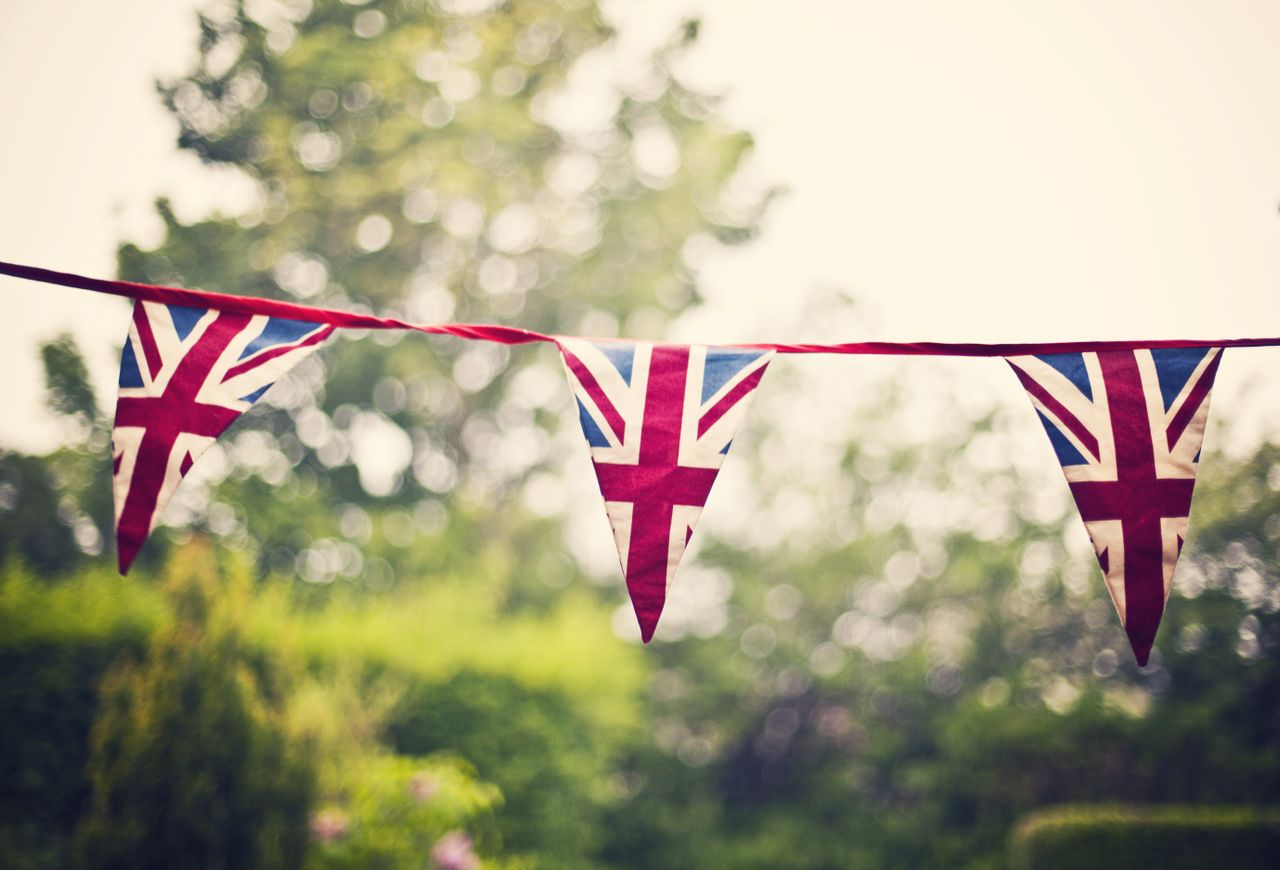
(55, 644)
(188, 764)
(438, 670)
(1134, 837)
(65, 497)
(539, 703)
(395, 809)
(375, 809)
(96, 606)
(740, 754)
(430, 635)
(48, 692)
(533, 744)
(41, 533)
(66, 380)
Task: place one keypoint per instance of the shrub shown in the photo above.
(1172, 837)
(394, 811)
(56, 641)
(374, 809)
(532, 743)
(189, 764)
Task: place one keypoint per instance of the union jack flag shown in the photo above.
(1127, 426)
(659, 419)
(185, 375)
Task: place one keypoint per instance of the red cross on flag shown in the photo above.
(1127, 426)
(659, 419)
(185, 375)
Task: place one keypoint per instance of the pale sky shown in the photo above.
(980, 171)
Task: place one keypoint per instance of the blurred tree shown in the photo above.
(65, 497)
(66, 380)
(189, 761)
(424, 159)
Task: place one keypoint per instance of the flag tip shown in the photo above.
(1141, 641)
(647, 616)
(125, 554)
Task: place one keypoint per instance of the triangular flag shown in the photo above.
(185, 375)
(1127, 427)
(659, 419)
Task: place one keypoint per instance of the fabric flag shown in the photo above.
(185, 375)
(659, 419)
(1127, 427)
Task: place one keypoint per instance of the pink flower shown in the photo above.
(423, 787)
(328, 826)
(453, 852)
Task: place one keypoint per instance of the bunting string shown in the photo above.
(514, 335)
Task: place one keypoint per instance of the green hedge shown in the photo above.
(1170, 837)
(48, 694)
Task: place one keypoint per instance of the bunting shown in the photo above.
(185, 375)
(1125, 419)
(1127, 427)
(659, 419)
